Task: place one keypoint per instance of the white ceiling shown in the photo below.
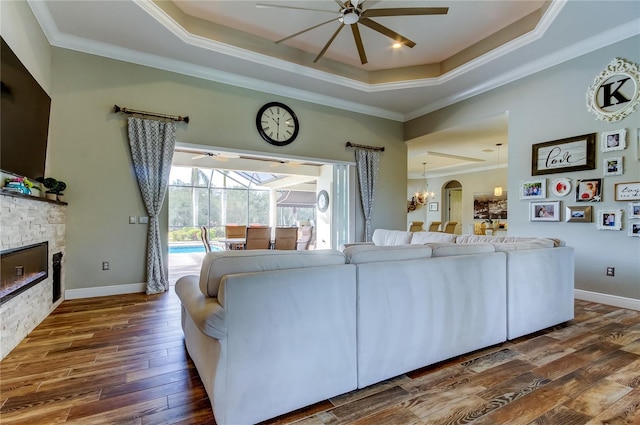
(476, 46)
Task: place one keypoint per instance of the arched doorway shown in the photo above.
(452, 200)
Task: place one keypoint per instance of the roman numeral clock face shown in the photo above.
(277, 123)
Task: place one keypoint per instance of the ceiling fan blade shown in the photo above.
(340, 4)
(305, 30)
(386, 31)
(359, 45)
(326, 46)
(373, 13)
(278, 6)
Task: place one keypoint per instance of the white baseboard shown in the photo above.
(614, 300)
(102, 291)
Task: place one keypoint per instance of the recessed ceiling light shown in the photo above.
(397, 45)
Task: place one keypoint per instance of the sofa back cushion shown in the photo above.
(218, 264)
(447, 249)
(385, 237)
(359, 254)
(426, 237)
(536, 243)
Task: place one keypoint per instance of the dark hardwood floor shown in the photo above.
(121, 360)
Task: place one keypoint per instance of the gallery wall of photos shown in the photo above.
(583, 195)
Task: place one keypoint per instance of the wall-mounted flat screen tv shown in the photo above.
(24, 119)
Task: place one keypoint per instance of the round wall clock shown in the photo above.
(323, 201)
(277, 123)
(615, 93)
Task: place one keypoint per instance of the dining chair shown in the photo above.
(235, 231)
(305, 235)
(204, 235)
(258, 238)
(434, 226)
(286, 238)
(416, 226)
(449, 226)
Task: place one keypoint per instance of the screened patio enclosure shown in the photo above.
(215, 197)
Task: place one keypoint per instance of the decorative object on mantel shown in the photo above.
(615, 93)
(54, 187)
(130, 111)
(20, 185)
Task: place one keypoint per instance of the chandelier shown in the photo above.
(425, 195)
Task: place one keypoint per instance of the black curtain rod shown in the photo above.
(372, 148)
(116, 108)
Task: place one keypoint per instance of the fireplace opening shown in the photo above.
(22, 268)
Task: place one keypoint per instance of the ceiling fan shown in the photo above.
(352, 13)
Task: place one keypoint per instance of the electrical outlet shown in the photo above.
(105, 265)
(143, 219)
(611, 271)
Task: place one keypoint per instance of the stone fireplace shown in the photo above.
(32, 243)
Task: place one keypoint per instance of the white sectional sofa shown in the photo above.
(274, 331)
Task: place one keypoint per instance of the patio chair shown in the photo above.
(286, 238)
(235, 231)
(204, 235)
(258, 238)
(305, 235)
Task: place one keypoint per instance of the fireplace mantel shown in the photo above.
(13, 194)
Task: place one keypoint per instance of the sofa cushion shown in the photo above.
(371, 254)
(446, 249)
(385, 237)
(220, 263)
(422, 238)
(536, 243)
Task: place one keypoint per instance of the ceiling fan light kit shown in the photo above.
(351, 13)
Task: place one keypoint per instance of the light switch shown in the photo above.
(143, 219)
(132, 219)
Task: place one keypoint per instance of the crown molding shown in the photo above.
(58, 39)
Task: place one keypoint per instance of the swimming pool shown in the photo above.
(190, 248)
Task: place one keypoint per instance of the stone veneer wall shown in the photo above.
(25, 221)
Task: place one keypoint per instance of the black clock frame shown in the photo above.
(265, 136)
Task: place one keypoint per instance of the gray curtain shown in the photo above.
(152, 144)
(367, 162)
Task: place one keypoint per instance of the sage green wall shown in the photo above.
(23, 34)
(90, 152)
(547, 106)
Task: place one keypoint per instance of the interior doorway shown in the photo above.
(452, 210)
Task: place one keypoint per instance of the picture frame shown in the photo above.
(629, 191)
(589, 190)
(561, 186)
(609, 219)
(612, 166)
(564, 155)
(544, 211)
(634, 228)
(533, 189)
(634, 210)
(578, 214)
(615, 140)
(486, 205)
(433, 206)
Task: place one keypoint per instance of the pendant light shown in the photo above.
(497, 191)
(424, 196)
